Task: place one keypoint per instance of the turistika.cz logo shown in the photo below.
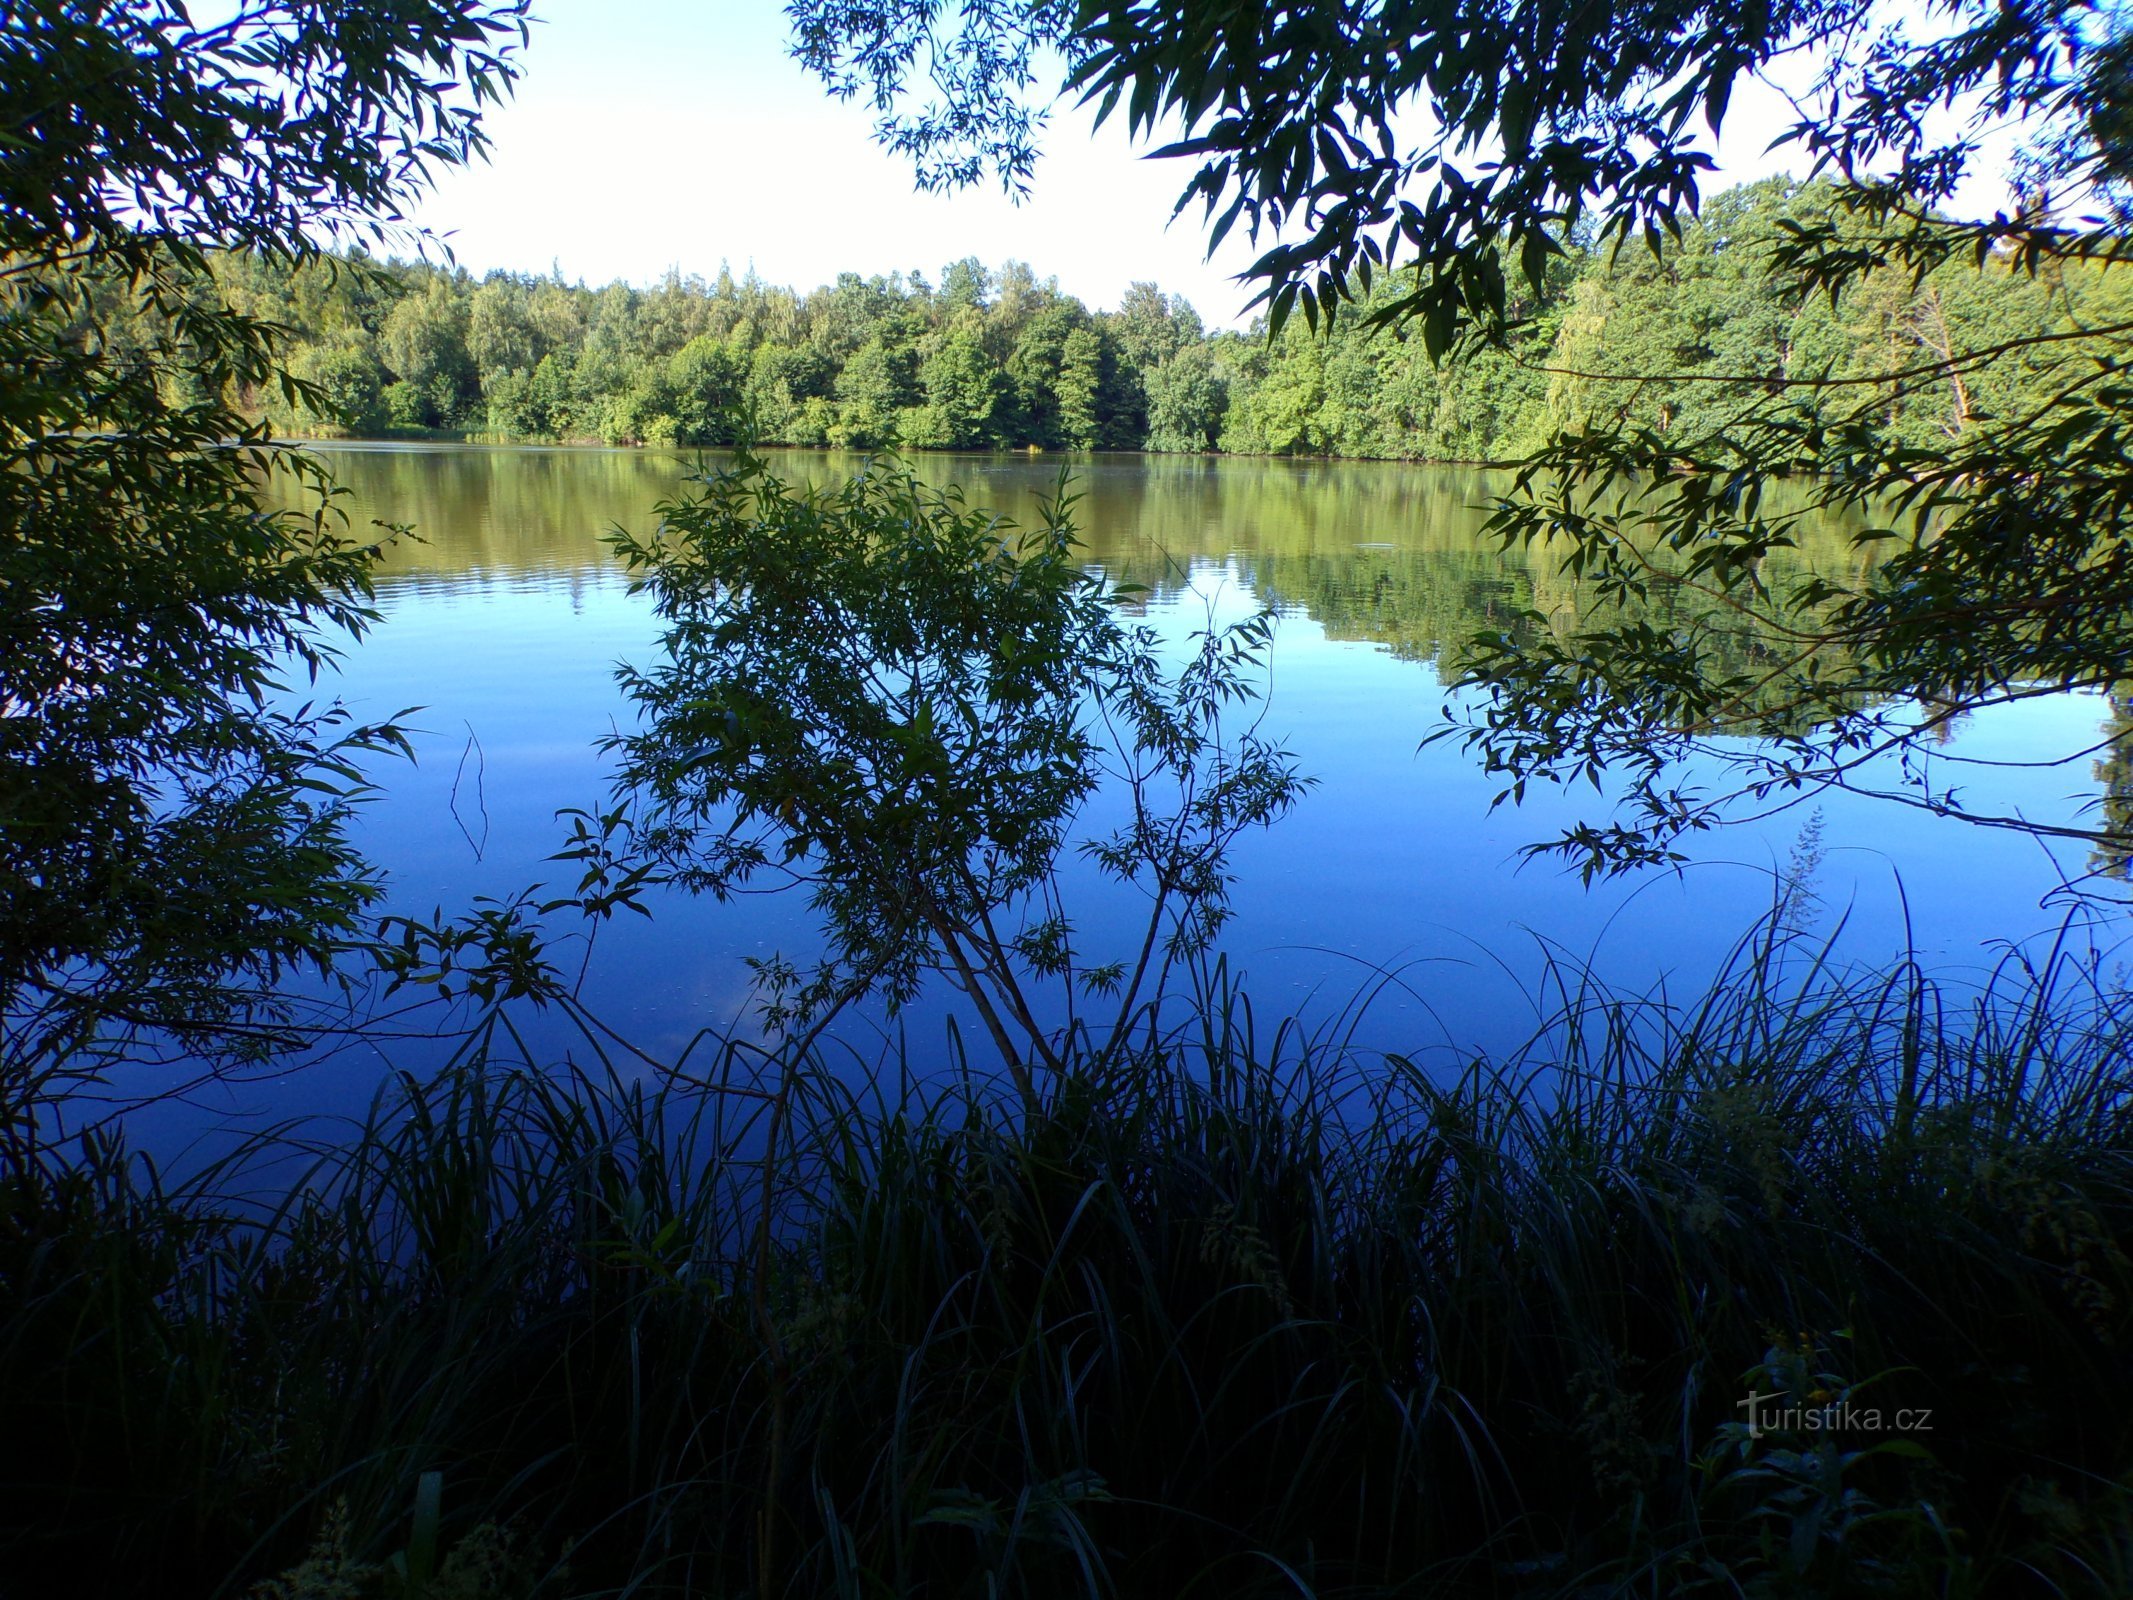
(1783, 1413)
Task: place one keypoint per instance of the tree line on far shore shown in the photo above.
(1680, 342)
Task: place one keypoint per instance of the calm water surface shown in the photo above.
(504, 625)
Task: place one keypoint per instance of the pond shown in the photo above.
(505, 622)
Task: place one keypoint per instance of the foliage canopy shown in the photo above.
(172, 828)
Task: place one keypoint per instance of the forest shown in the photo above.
(1000, 359)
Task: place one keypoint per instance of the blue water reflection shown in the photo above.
(505, 623)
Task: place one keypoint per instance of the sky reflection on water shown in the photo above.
(504, 625)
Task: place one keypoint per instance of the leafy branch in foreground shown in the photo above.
(1991, 579)
(172, 828)
(980, 118)
(906, 706)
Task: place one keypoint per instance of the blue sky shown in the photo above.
(649, 134)
(654, 133)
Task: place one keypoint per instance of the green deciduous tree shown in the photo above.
(424, 342)
(903, 705)
(347, 387)
(501, 336)
(1187, 396)
(1081, 388)
(708, 380)
(877, 386)
(962, 385)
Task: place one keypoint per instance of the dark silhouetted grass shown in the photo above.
(1238, 1315)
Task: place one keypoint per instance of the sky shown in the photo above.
(655, 134)
(648, 134)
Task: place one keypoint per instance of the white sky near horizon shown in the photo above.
(654, 134)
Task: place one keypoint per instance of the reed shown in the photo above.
(1233, 1311)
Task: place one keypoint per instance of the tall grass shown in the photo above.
(1232, 1313)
